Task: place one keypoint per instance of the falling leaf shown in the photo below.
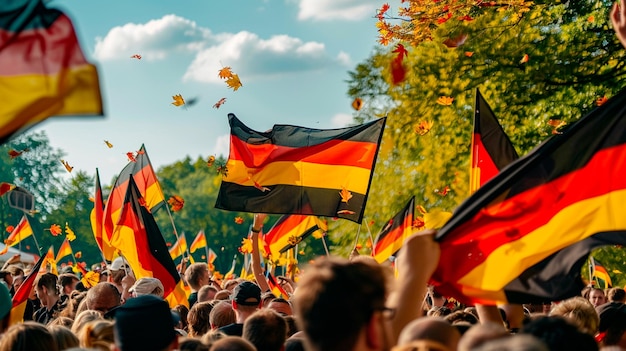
(421, 209)
(400, 52)
(524, 59)
(556, 124)
(456, 41)
(368, 243)
(6, 187)
(204, 258)
(136, 56)
(55, 229)
(225, 72)
(345, 195)
(14, 153)
(234, 82)
(67, 166)
(176, 202)
(445, 100)
(357, 103)
(260, 187)
(223, 170)
(444, 191)
(239, 220)
(601, 101)
(168, 244)
(108, 144)
(210, 161)
(418, 222)
(591, 19)
(617, 271)
(178, 100)
(469, 54)
(131, 156)
(424, 127)
(10, 229)
(69, 233)
(219, 103)
(301, 252)
(78, 255)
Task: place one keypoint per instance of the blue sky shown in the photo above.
(292, 57)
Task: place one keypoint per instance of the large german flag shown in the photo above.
(142, 172)
(297, 170)
(491, 148)
(96, 218)
(140, 242)
(290, 230)
(393, 234)
(43, 71)
(525, 235)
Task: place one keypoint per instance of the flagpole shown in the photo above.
(169, 213)
(325, 246)
(371, 236)
(593, 268)
(358, 233)
(36, 243)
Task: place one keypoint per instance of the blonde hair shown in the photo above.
(97, 335)
(83, 318)
(63, 336)
(580, 312)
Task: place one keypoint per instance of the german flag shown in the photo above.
(277, 290)
(282, 170)
(525, 235)
(393, 234)
(22, 231)
(199, 242)
(138, 238)
(179, 248)
(143, 174)
(290, 230)
(20, 299)
(43, 71)
(64, 251)
(491, 148)
(599, 274)
(96, 218)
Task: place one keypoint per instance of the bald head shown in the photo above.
(432, 329)
(103, 297)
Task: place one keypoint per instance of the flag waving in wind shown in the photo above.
(19, 233)
(20, 299)
(43, 71)
(199, 242)
(599, 274)
(491, 148)
(392, 235)
(290, 230)
(64, 251)
(525, 235)
(179, 248)
(297, 170)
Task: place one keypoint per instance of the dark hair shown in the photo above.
(559, 335)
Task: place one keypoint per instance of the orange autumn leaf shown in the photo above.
(246, 246)
(469, 54)
(357, 103)
(400, 52)
(445, 100)
(176, 202)
(591, 19)
(444, 191)
(456, 41)
(418, 222)
(219, 103)
(131, 156)
(108, 144)
(381, 12)
(69, 233)
(10, 229)
(136, 56)
(78, 255)
(233, 82)
(556, 124)
(55, 229)
(14, 153)
(225, 72)
(67, 166)
(424, 127)
(210, 161)
(601, 101)
(178, 100)
(345, 195)
(239, 220)
(444, 19)
(421, 209)
(524, 59)
(6, 187)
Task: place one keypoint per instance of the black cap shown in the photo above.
(144, 323)
(247, 294)
(611, 314)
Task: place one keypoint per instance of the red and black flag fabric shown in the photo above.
(140, 169)
(298, 170)
(393, 234)
(43, 71)
(289, 231)
(491, 148)
(96, 218)
(22, 294)
(525, 235)
(139, 240)
(277, 290)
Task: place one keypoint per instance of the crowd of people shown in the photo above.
(338, 304)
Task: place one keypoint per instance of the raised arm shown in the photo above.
(257, 226)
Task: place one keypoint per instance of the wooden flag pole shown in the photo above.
(325, 246)
(358, 233)
(371, 237)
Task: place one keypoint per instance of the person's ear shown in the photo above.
(234, 304)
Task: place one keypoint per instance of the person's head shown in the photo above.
(118, 270)
(292, 325)
(480, 334)
(198, 319)
(267, 297)
(597, 297)
(294, 344)
(337, 299)
(222, 295)
(266, 330)
(68, 282)
(461, 316)
(63, 337)
(144, 323)
(6, 277)
(246, 298)
(147, 285)
(221, 315)
(519, 342)
(62, 321)
(183, 312)
(230, 284)
(191, 344)
(83, 318)
(612, 326)
(48, 291)
(559, 334)
(432, 329)
(281, 306)
(231, 343)
(76, 297)
(580, 312)
(103, 297)
(207, 293)
(30, 336)
(197, 275)
(97, 335)
(616, 295)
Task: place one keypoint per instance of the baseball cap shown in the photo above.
(144, 323)
(147, 285)
(119, 263)
(247, 294)
(611, 314)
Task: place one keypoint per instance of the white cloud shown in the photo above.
(348, 10)
(152, 40)
(251, 56)
(222, 146)
(341, 120)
